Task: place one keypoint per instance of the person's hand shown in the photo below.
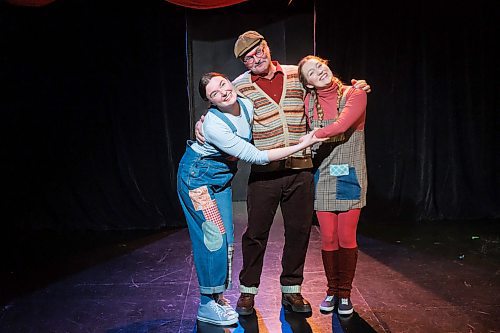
(361, 84)
(310, 138)
(198, 130)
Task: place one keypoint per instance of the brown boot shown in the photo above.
(245, 304)
(296, 302)
(348, 259)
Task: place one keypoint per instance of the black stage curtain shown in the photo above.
(432, 118)
(95, 109)
(94, 114)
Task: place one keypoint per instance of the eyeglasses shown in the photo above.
(249, 59)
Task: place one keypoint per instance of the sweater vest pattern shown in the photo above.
(276, 125)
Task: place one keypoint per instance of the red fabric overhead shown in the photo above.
(205, 4)
(30, 3)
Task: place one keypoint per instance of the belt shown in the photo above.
(288, 163)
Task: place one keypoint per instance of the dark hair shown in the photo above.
(204, 80)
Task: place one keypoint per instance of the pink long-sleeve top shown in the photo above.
(352, 116)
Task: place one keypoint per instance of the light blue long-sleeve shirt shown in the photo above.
(218, 134)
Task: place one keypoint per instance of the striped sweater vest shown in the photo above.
(276, 125)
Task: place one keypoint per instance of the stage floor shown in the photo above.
(427, 277)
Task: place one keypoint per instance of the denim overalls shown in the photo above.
(204, 189)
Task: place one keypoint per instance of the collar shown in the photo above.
(328, 92)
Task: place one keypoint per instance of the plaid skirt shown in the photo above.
(340, 176)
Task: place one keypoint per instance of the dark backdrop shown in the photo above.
(95, 108)
(432, 118)
(94, 114)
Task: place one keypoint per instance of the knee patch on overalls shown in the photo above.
(213, 227)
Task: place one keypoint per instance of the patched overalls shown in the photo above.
(204, 189)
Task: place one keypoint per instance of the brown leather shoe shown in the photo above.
(245, 304)
(296, 302)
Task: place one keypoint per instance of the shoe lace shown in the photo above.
(218, 309)
(329, 298)
(344, 301)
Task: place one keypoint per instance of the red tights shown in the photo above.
(338, 229)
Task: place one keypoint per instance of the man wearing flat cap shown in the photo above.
(279, 120)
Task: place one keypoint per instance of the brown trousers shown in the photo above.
(293, 191)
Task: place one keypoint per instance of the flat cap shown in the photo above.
(246, 42)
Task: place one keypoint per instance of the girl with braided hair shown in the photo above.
(339, 173)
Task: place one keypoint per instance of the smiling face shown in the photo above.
(220, 92)
(316, 73)
(258, 59)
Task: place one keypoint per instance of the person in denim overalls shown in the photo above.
(204, 188)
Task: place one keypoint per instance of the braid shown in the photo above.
(339, 91)
(314, 95)
(319, 109)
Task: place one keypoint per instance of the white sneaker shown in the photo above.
(216, 314)
(224, 302)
